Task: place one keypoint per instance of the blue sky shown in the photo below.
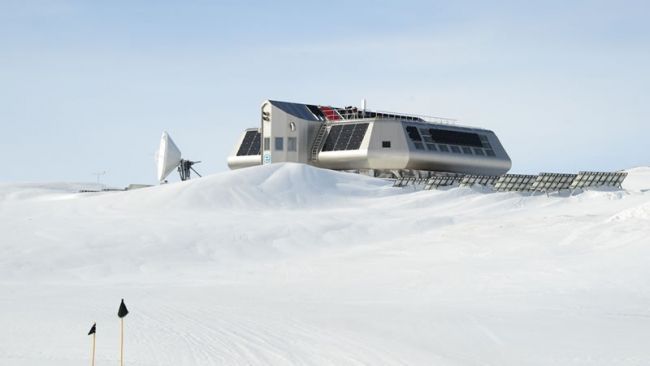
(88, 86)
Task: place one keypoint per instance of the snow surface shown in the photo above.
(293, 265)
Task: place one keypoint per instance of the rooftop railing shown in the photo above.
(356, 115)
(419, 117)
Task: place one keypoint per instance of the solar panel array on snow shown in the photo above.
(544, 182)
(514, 183)
(552, 182)
(598, 179)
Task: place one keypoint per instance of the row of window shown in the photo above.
(456, 149)
(292, 144)
(447, 148)
(436, 139)
(448, 137)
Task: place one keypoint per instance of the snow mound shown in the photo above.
(638, 179)
(280, 186)
(641, 212)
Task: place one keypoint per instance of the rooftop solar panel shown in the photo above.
(295, 109)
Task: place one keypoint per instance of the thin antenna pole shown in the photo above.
(99, 174)
(93, 358)
(121, 341)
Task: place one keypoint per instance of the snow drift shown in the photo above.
(289, 264)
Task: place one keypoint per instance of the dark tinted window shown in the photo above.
(425, 135)
(385, 144)
(455, 137)
(413, 133)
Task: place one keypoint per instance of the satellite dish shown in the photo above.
(169, 158)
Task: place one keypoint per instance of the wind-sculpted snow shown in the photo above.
(286, 186)
(293, 265)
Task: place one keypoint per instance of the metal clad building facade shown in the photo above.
(351, 139)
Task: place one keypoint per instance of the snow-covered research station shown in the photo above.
(380, 144)
(429, 152)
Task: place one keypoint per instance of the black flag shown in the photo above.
(93, 329)
(123, 311)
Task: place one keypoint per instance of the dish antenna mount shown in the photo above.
(169, 158)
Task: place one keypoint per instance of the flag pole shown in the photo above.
(93, 332)
(122, 312)
(121, 341)
(93, 359)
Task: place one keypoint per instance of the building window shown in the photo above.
(426, 136)
(279, 143)
(267, 143)
(291, 144)
(450, 137)
(385, 144)
(413, 133)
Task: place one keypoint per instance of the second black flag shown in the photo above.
(123, 311)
